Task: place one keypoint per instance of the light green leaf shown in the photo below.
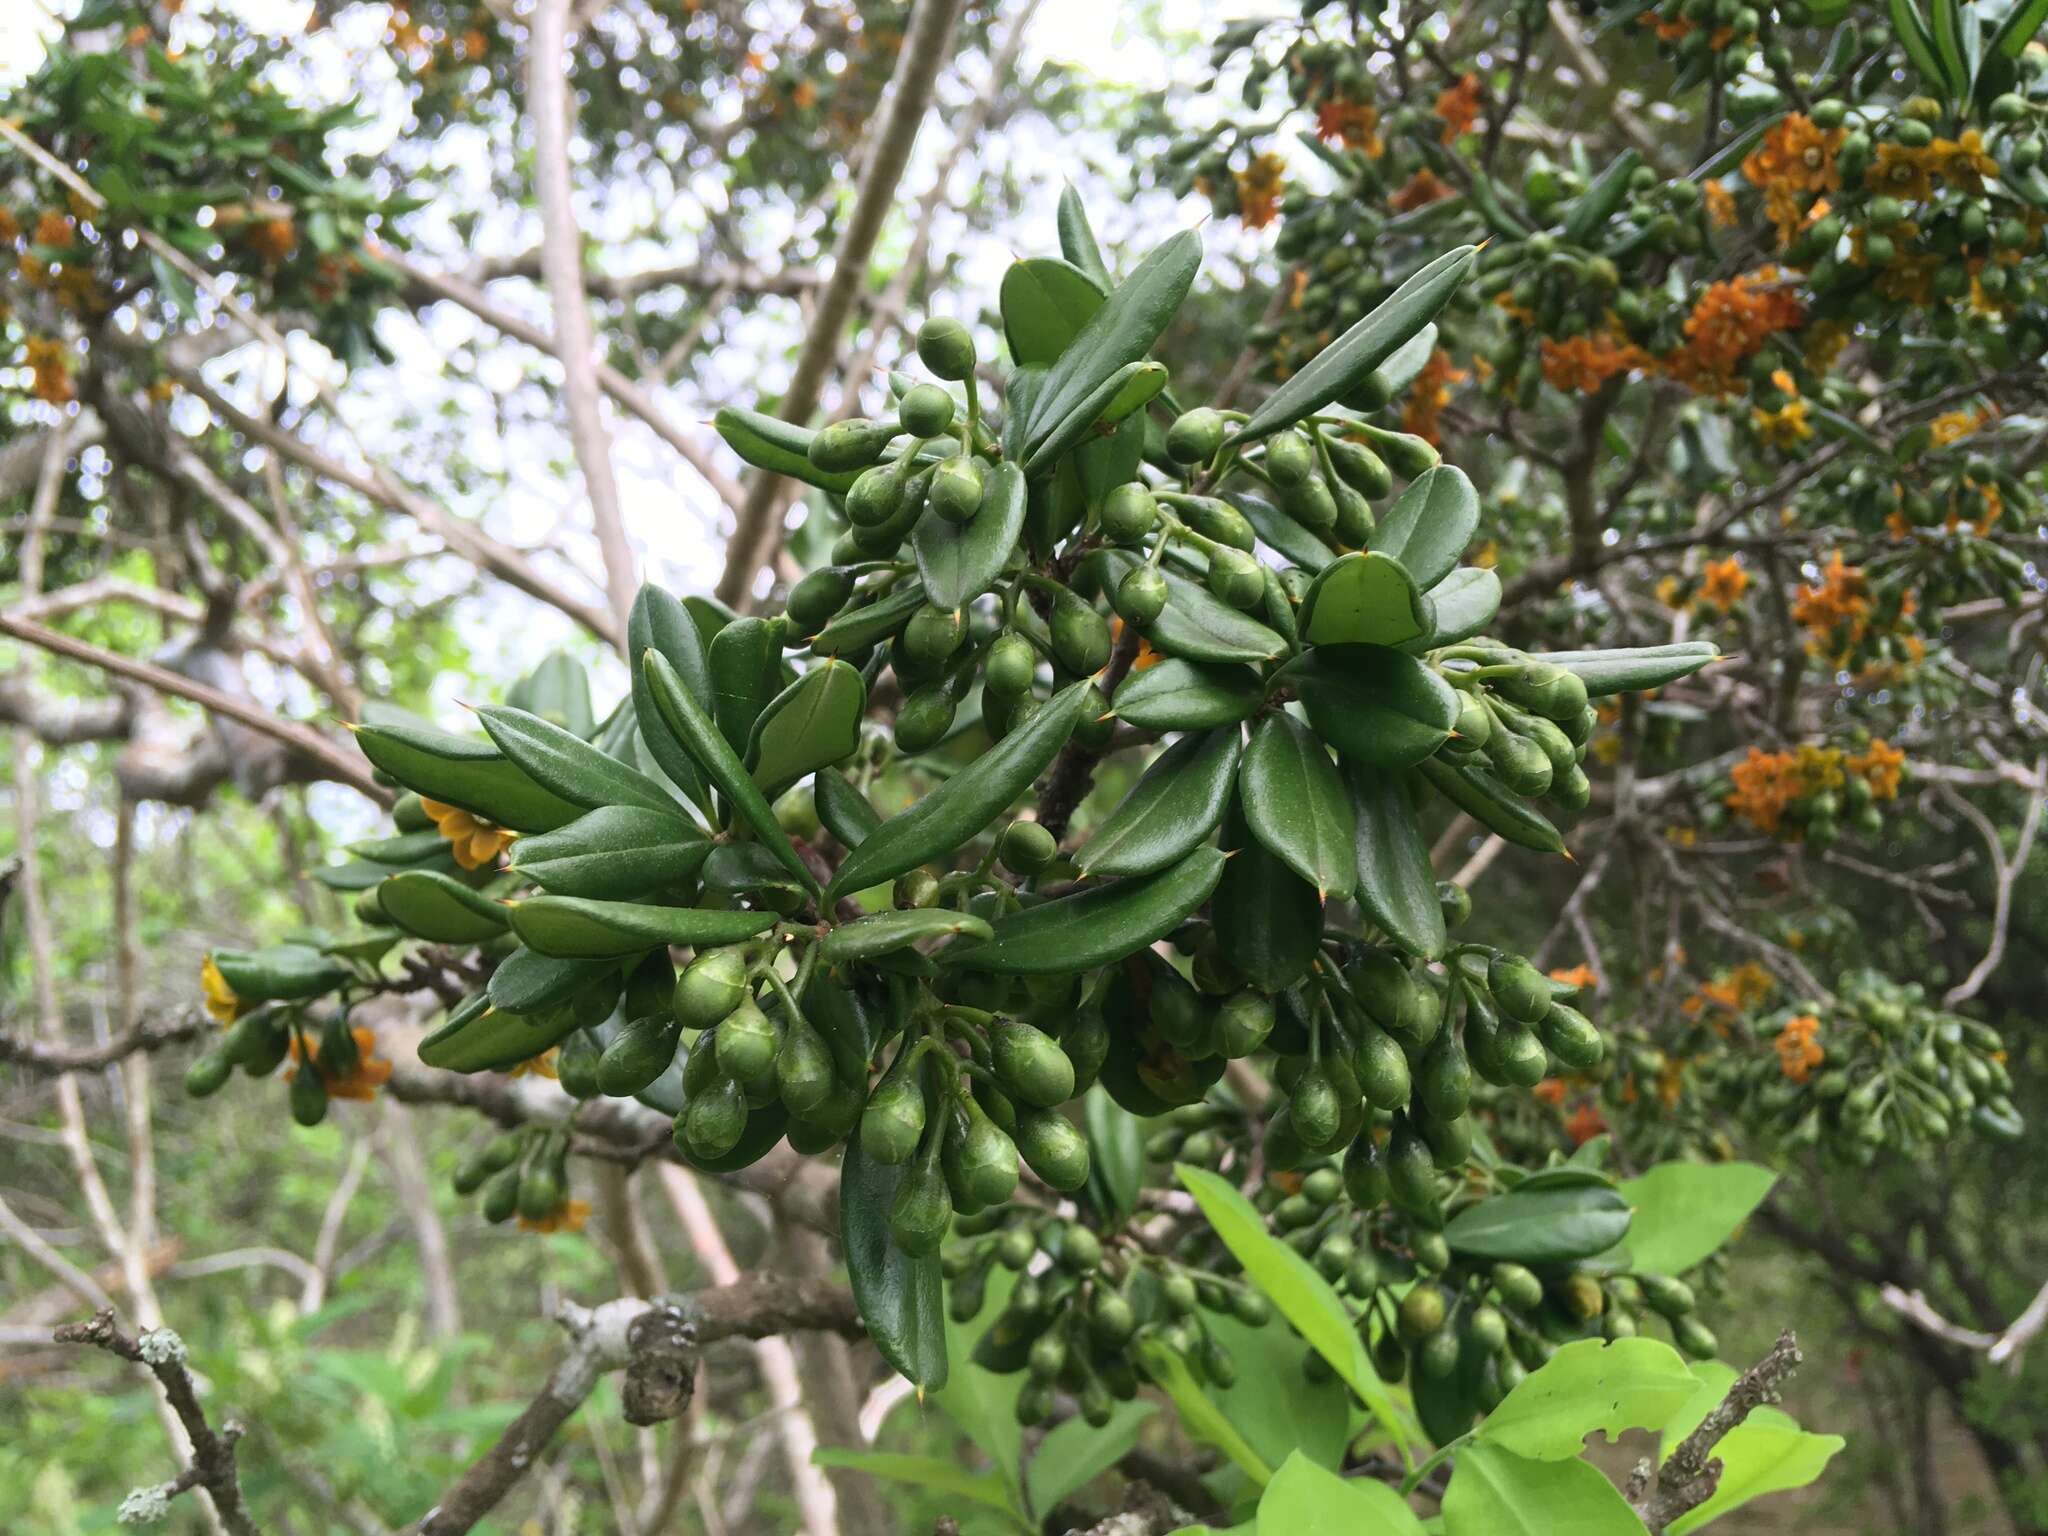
(1589, 1385)
(1686, 1211)
(1304, 1499)
(1077, 1452)
(1767, 1453)
(1365, 599)
(933, 1472)
(1494, 1492)
(1169, 1372)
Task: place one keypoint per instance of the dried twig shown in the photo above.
(1691, 1473)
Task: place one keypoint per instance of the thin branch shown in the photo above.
(758, 533)
(423, 287)
(2006, 872)
(52, 1058)
(1691, 1473)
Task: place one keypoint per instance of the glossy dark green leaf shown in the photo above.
(439, 909)
(573, 928)
(1346, 362)
(858, 628)
(1077, 238)
(1268, 919)
(1465, 602)
(1281, 533)
(1296, 805)
(812, 722)
(691, 728)
(960, 808)
(1116, 1153)
(1096, 926)
(1396, 885)
(882, 933)
(750, 871)
(1044, 304)
(1177, 695)
(1195, 624)
(1174, 807)
(957, 562)
(901, 1298)
(1116, 397)
(658, 622)
(843, 809)
(745, 660)
(464, 772)
(1364, 599)
(277, 971)
(614, 853)
(1475, 791)
(1134, 316)
(558, 690)
(1541, 1226)
(527, 981)
(1429, 524)
(779, 447)
(1374, 705)
(568, 765)
(491, 1039)
(1027, 381)
(1629, 670)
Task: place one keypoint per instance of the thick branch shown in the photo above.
(758, 533)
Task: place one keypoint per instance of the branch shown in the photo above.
(1146, 1512)
(213, 1452)
(1690, 1475)
(339, 763)
(656, 1344)
(561, 262)
(2004, 1348)
(423, 287)
(758, 533)
(54, 1059)
(2006, 872)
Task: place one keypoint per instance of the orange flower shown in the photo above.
(1458, 108)
(1798, 1052)
(1428, 396)
(1422, 189)
(1837, 607)
(1354, 124)
(1578, 976)
(542, 1065)
(1954, 426)
(1720, 204)
(273, 239)
(48, 361)
(1549, 1091)
(569, 1216)
(1729, 323)
(10, 227)
(1587, 361)
(1900, 172)
(1585, 1123)
(476, 842)
(804, 95)
(1882, 767)
(1786, 427)
(1723, 583)
(1258, 190)
(1794, 163)
(1962, 163)
(363, 1077)
(1765, 784)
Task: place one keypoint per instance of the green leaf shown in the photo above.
(1304, 1499)
(957, 562)
(882, 933)
(527, 981)
(1281, 533)
(1273, 917)
(692, 729)
(1177, 695)
(1195, 623)
(1593, 207)
(658, 622)
(1134, 316)
(960, 808)
(614, 853)
(1374, 705)
(2019, 27)
(930, 1472)
(439, 909)
(1116, 1153)
(901, 1297)
(1295, 803)
(1632, 669)
(1465, 603)
(490, 1039)
(1291, 1283)
(1396, 885)
(1910, 27)
(1365, 599)
(1095, 926)
(1541, 1225)
(843, 809)
(1121, 393)
(858, 628)
(1429, 524)
(277, 972)
(779, 447)
(812, 722)
(1077, 238)
(1199, 1416)
(1589, 1385)
(982, 1402)
(1044, 304)
(1279, 1408)
(464, 772)
(1076, 1453)
(572, 928)
(1475, 791)
(1686, 1211)
(1347, 361)
(1496, 1493)
(1174, 807)
(568, 765)
(1947, 31)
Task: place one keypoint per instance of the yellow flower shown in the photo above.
(569, 1216)
(474, 841)
(221, 1001)
(1882, 767)
(1961, 162)
(1901, 173)
(1786, 427)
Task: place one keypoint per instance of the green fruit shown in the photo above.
(748, 1041)
(1317, 1109)
(927, 411)
(1235, 577)
(638, 1054)
(817, 597)
(308, 1095)
(1411, 1174)
(1422, 1312)
(1666, 1294)
(893, 1120)
(1289, 459)
(803, 1070)
(933, 635)
(1080, 635)
(1486, 1331)
(1310, 503)
(956, 488)
(1111, 1320)
(1026, 847)
(1128, 513)
(851, 444)
(540, 1189)
(712, 986)
(925, 718)
(922, 1208)
(1382, 1067)
(1362, 1277)
(1355, 523)
(1048, 1356)
(501, 1197)
(980, 1160)
(1432, 1252)
(1572, 1038)
(1030, 1063)
(1365, 1173)
(946, 347)
(1195, 437)
(713, 1121)
(1010, 667)
(1695, 1338)
(1520, 990)
(1141, 596)
(208, 1072)
(1080, 1249)
(1359, 467)
(1243, 1022)
(1444, 1079)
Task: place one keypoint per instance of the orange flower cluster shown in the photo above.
(569, 1216)
(1881, 767)
(1838, 607)
(273, 239)
(1458, 108)
(1577, 976)
(1720, 204)
(476, 842)
(1766, 784)
(1585, 1123)
(1798, 1052)
(1729, 324)
(1794, 163)
(1723, 582)
(1354, 124)
(1428, 396)
(1735, 991)
(1421, 189)
(1258, 190)
(47, 360)
(360, 1080)
(1588, 360)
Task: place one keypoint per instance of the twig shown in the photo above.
(52, 1058)
(213, 1452)
(2006, 872)
(1691, 1473)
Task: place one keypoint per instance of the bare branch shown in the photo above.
(424, 287)
(1690, 1474)
(2006, 872)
